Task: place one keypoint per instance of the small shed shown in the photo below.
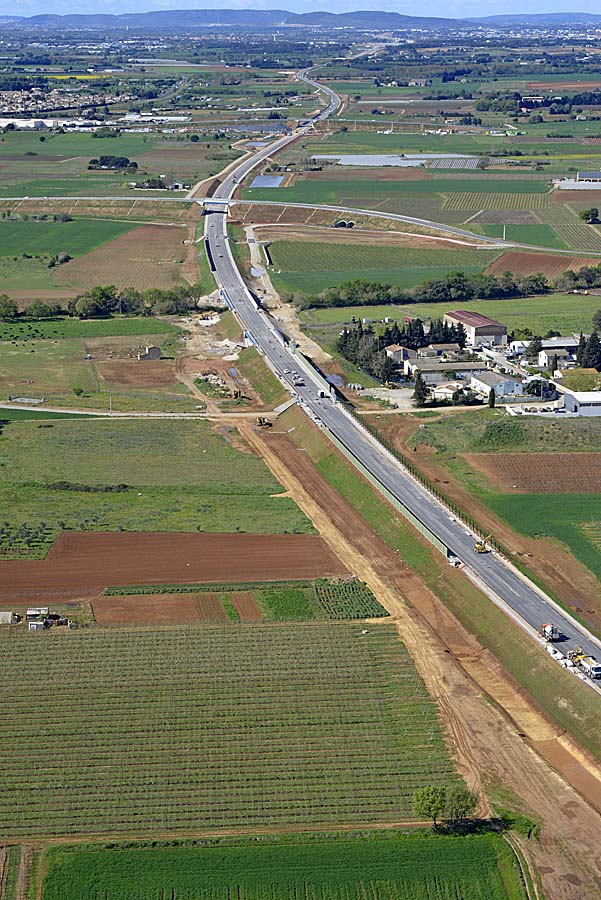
(150, 353)
(7, 617)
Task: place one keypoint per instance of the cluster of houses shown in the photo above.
(489, 363)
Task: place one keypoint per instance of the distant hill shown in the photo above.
(186, 19)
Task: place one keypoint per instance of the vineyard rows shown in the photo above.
(212, 726)
(469, 201)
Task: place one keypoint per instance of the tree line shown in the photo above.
(105, 300)
(460, 286)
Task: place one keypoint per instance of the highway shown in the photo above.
(521, 599)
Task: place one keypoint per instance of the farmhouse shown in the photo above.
(547, 357)
(582, 403)
(434, 350)
(445, 391)
(503, 385)
(398, 353)
(479, 329)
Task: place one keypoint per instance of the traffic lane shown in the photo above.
(492, 570)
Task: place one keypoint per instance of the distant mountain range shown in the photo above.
(186, 19)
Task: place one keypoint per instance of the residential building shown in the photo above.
(399, 354)
(435, 371)
(434, 350)
(446, 390)
(546, 357)
(478, 328)
(503, 385)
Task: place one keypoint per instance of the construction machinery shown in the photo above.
(262, 422)
(588, 664)
(481, 546)
(549, 632)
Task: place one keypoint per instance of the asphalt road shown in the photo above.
(494, 572)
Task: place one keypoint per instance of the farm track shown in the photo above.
(501, 741)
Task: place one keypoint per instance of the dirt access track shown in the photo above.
(80, 565)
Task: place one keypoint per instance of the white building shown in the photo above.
(478, 328)
(582, 403)
(447, 390)
(547, 357)
(503, 385)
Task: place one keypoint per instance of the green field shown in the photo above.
(264, 732)
(14, 143)
(311, 267)
(62, 327)
(394, 866)
(49, 238)
(572, 519)
(484, 430)
(177, 476)
(538, 235)
(562, 312)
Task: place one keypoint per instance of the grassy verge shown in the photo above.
(252, 367)
(559, 695)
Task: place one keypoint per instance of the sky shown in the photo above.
(452, 8)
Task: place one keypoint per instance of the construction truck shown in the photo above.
(481, 546)
(588, 664)
(262, 422)
(549, 632)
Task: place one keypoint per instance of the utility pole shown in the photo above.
(110, 405)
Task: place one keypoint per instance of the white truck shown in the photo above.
(590, 666)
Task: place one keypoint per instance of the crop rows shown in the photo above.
(473, 201)
(206, 727)
(390, 866)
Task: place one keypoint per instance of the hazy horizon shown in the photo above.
(454, 9)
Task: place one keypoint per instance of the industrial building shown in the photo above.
(435, 371)
(582, 403)
(478, 328)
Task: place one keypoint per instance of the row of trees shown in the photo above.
(106, 300)
(460, 286)
(454, 803)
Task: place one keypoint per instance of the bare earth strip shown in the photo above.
(542, 473)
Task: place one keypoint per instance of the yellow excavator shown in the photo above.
(481, 546)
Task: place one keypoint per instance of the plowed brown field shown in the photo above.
(152, 256)
(246, 607)
(550, 264)
(138, 373)
(149, 609)
(540, 473)
(80, 565)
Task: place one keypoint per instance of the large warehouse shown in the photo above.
(582, 403)
(478, 328)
